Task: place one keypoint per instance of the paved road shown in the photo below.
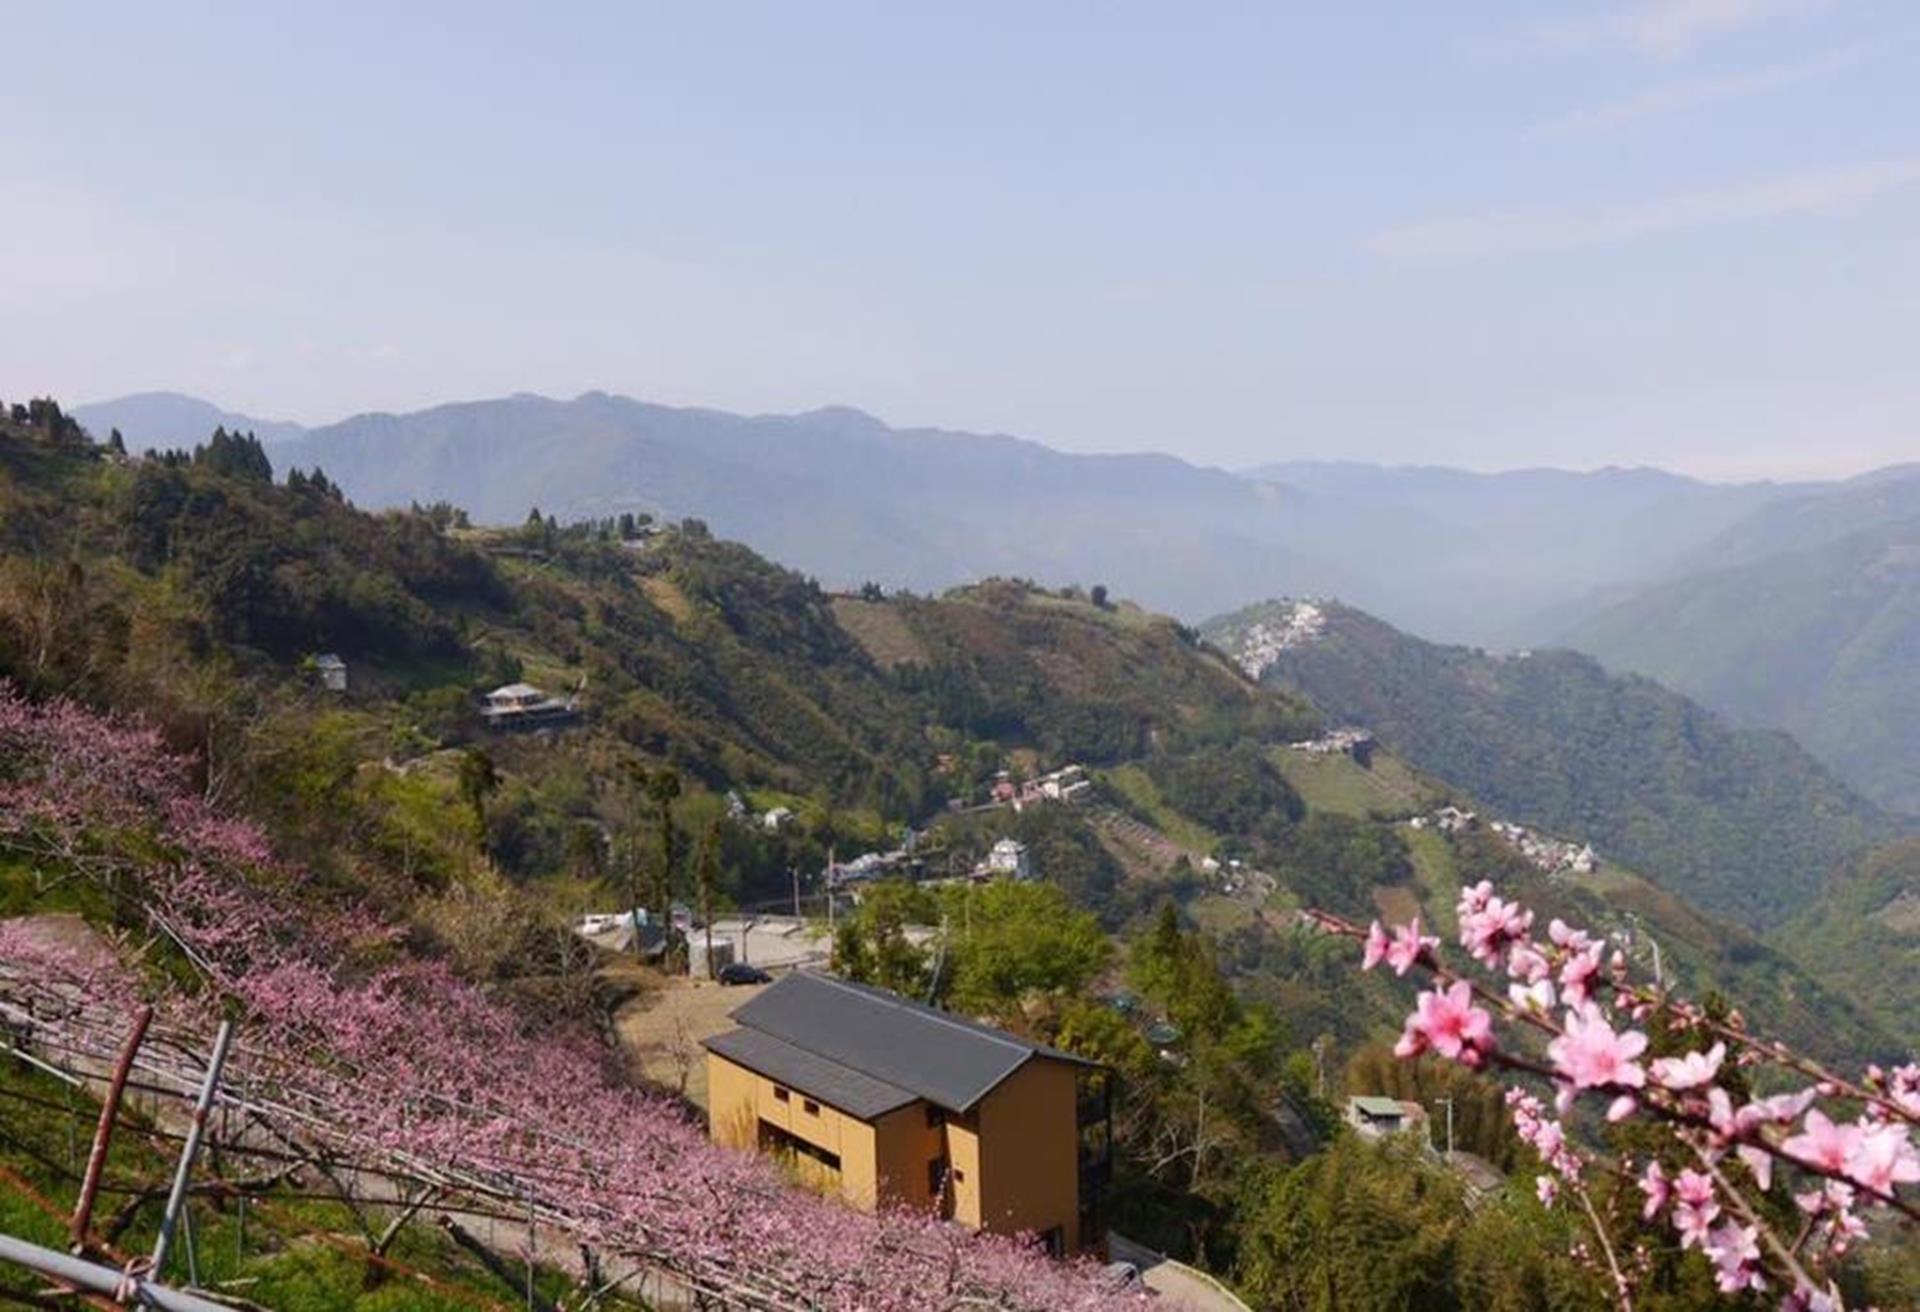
(1174, 1281)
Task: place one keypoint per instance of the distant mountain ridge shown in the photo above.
(1596, 560)
(1491, 559)
(834, 492)
(151, 421)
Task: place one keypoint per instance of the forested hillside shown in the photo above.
(1806, 619)
(1743, 822)
(1863, 930)
(192, 590)
(1452, 555)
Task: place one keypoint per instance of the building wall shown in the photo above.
(963, 1151)
(903, 1146)
(738, 1100)
(1029, 1143)
(1013, 1163)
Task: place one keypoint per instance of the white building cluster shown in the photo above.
(1348, 740)
(1067, 784)
(1551, 856)
(1263, 641)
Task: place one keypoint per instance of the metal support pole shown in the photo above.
(221, 1043)
(186, 1237)
(93, 1278)
(103, 1132)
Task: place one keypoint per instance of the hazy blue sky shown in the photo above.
(1682, 232)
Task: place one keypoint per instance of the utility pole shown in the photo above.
(1448, 1104)
(794, 871)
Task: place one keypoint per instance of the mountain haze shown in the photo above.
(1489, 559)
(1782, 605)
(1467, 557)
(1803, 617)
(833, 492)
(154, 421)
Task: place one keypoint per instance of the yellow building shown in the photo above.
(885, 1102)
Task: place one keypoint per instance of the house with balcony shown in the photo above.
(519, 707)
(886, 1102)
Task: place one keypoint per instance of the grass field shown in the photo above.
(1133, 783)
(1437, 872)
(881, 631)
(1337, 784)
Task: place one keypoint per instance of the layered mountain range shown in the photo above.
(1780, 605)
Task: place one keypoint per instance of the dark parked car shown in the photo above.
(739, 972)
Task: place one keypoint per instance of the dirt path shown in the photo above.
(661, 1031)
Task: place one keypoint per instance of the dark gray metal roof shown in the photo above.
(952, 1063)
(816, 1077)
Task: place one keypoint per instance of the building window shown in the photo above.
(935, 1117)
(779, 1094)
(810, 1107)
(1055, 1242)
(959, 1176)
(773, 1139)
(937, 1177)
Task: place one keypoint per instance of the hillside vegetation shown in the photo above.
(1742, 822)
(191, 590)
(844, 496)
(1864, 930)
(1813, 628)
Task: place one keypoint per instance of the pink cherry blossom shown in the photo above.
(1487, 932)
(1407, 946)
(1694, 1223)
(1694, 1188)
(1537, 997)
(394, 1062)
(1690, 1071)
(1564, 936)
(1376, 946)
(1883, 1158)
(1902, 1085)
(1735, 1252)
(1807, 1299)
(1600, 1046)
(1577, 974)
(1653, 1183)
(1589, 1054)
(1528, 963)
(1824, 1144)
(1449, 1023)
